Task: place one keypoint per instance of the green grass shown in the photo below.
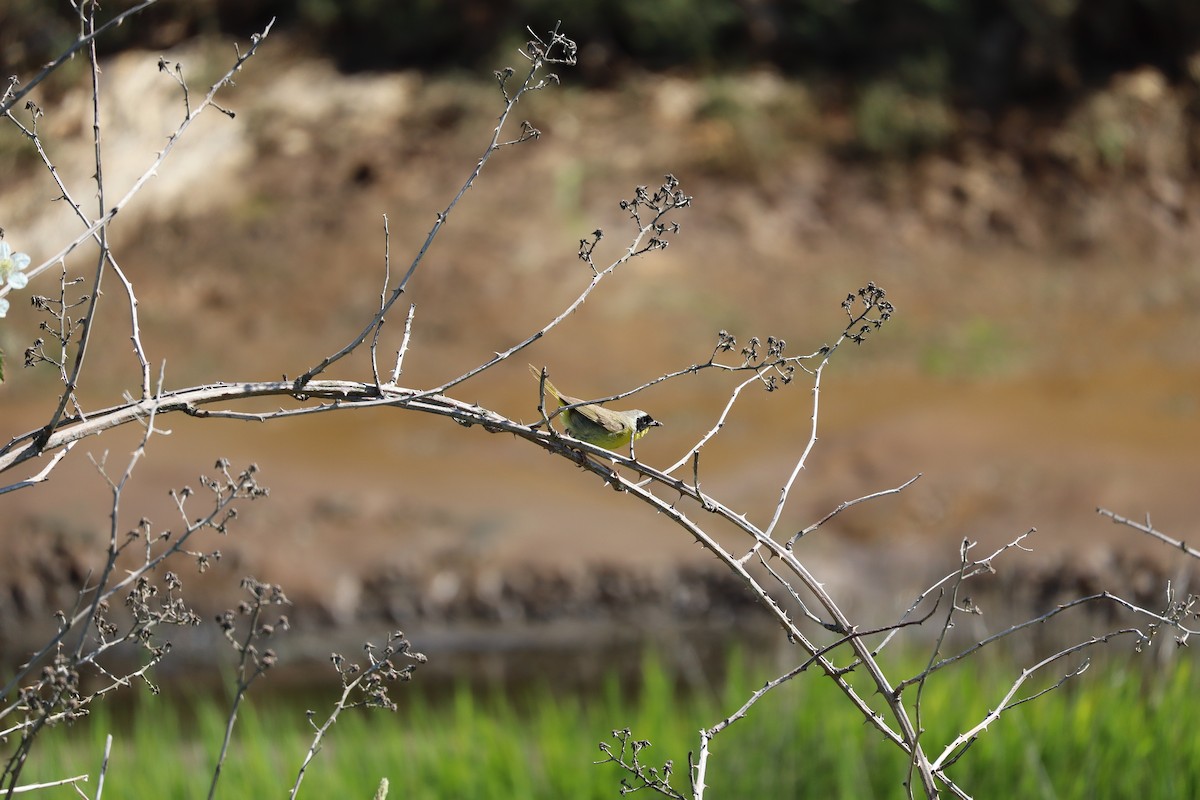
(1120, 731)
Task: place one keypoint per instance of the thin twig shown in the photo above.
(103, 767)
(953, 750)
(152, 170)
(76, 46)
(537, 63)
(1149, 530)
(42, 475)
(404, 342)
(983, 565)
(387, 279)
(847, 504)
(33, 787)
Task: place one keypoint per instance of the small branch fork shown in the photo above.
(363, 687)
(97, 229)
(14, 96)
(558, 49)
(209, 100)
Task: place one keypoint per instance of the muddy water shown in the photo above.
(1029, 418)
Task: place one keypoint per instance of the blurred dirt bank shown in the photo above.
(1044, 360)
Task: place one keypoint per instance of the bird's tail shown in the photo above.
(550, 388)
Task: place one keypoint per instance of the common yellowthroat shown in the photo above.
(597, 425)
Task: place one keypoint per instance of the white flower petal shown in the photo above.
(18, 280)
(3, 307)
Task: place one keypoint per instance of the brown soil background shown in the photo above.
(1044, 359)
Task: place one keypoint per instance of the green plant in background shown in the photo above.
(994, 53)
(893, 122)
(976, 348)
(655, 30)
(542, 743)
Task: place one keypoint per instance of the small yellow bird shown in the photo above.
(597, 425)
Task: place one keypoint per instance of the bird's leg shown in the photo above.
(580, 457)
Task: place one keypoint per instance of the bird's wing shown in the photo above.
(611, 421)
